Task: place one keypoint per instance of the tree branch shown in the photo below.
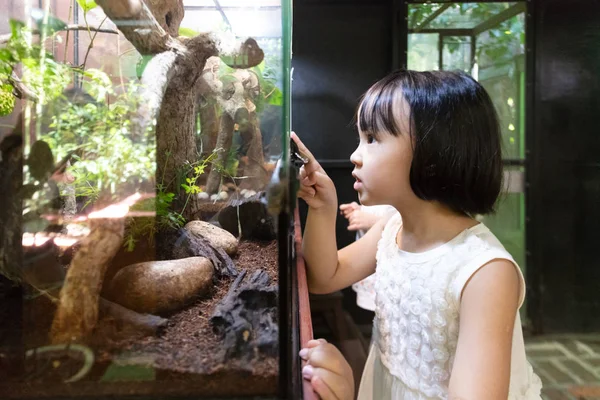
(154, 81)
(20, 90)
(135, 20)
(6, 37)
(87, 53)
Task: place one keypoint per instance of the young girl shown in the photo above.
(447, 293)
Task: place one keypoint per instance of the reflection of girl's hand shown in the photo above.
(328, 371)
(316, 188)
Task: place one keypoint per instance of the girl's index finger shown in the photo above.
(312, 165)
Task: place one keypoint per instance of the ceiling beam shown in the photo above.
(431, 17)
(499, 18)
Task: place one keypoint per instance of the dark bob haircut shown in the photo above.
(457, 156)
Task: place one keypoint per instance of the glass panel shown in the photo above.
(506, 88)
(139, 249)
(502, 43)
(499, 59)
(422, 51)
(501, 70)
(462, 15)
(253, 22)
(457, 53)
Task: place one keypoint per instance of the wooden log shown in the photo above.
(246, 319)
(144, 323)
(77, 312)
(136, 21)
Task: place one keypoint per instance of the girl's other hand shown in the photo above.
(328, 371)
(316, 188)
(362, 221)
(347, 209)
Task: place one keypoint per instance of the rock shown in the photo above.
(247, 193)
(223, 195)
(203, 196)
(214, 197)
(216, 236)
(183, 244)
(254, 219)
(159, 287)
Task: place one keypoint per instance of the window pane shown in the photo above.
(422, 51)
(457, 53)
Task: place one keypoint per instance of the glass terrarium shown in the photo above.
(146, 210)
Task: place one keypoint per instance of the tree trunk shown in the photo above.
(170, 79)
(11, 256)
(209, 122)
(11, 209)
(77, 312)
(176, 144)
(254, 168)
(223, 146)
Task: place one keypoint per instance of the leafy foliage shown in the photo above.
(7, 100)
(47, 78)
(106, 158)
(47, 24)
(500, 43)
(86, 5)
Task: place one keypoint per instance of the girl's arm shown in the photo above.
(488, 310)
(327, 269)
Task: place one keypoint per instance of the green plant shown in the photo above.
(190, 186)
(269, 92)
(7, 100)
(108, 159)
(162, 205)
(42, 75)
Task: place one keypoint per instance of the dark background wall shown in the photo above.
(341, 47)
(564, 195)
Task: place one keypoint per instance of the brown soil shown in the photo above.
(181, 357)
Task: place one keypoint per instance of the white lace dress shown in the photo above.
(365, 289)
(417, 318)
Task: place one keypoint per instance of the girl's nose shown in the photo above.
(355, 157)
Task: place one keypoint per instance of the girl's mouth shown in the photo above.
(358, 184)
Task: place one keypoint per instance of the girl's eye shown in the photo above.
(370, 139)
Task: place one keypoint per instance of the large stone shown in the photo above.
(216, 236)
(251, 215)
(158, 287)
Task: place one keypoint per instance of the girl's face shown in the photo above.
(382, 164)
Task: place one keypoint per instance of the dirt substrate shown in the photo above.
(181, 360)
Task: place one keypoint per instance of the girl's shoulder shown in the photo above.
(479, 247)
(393, 224)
